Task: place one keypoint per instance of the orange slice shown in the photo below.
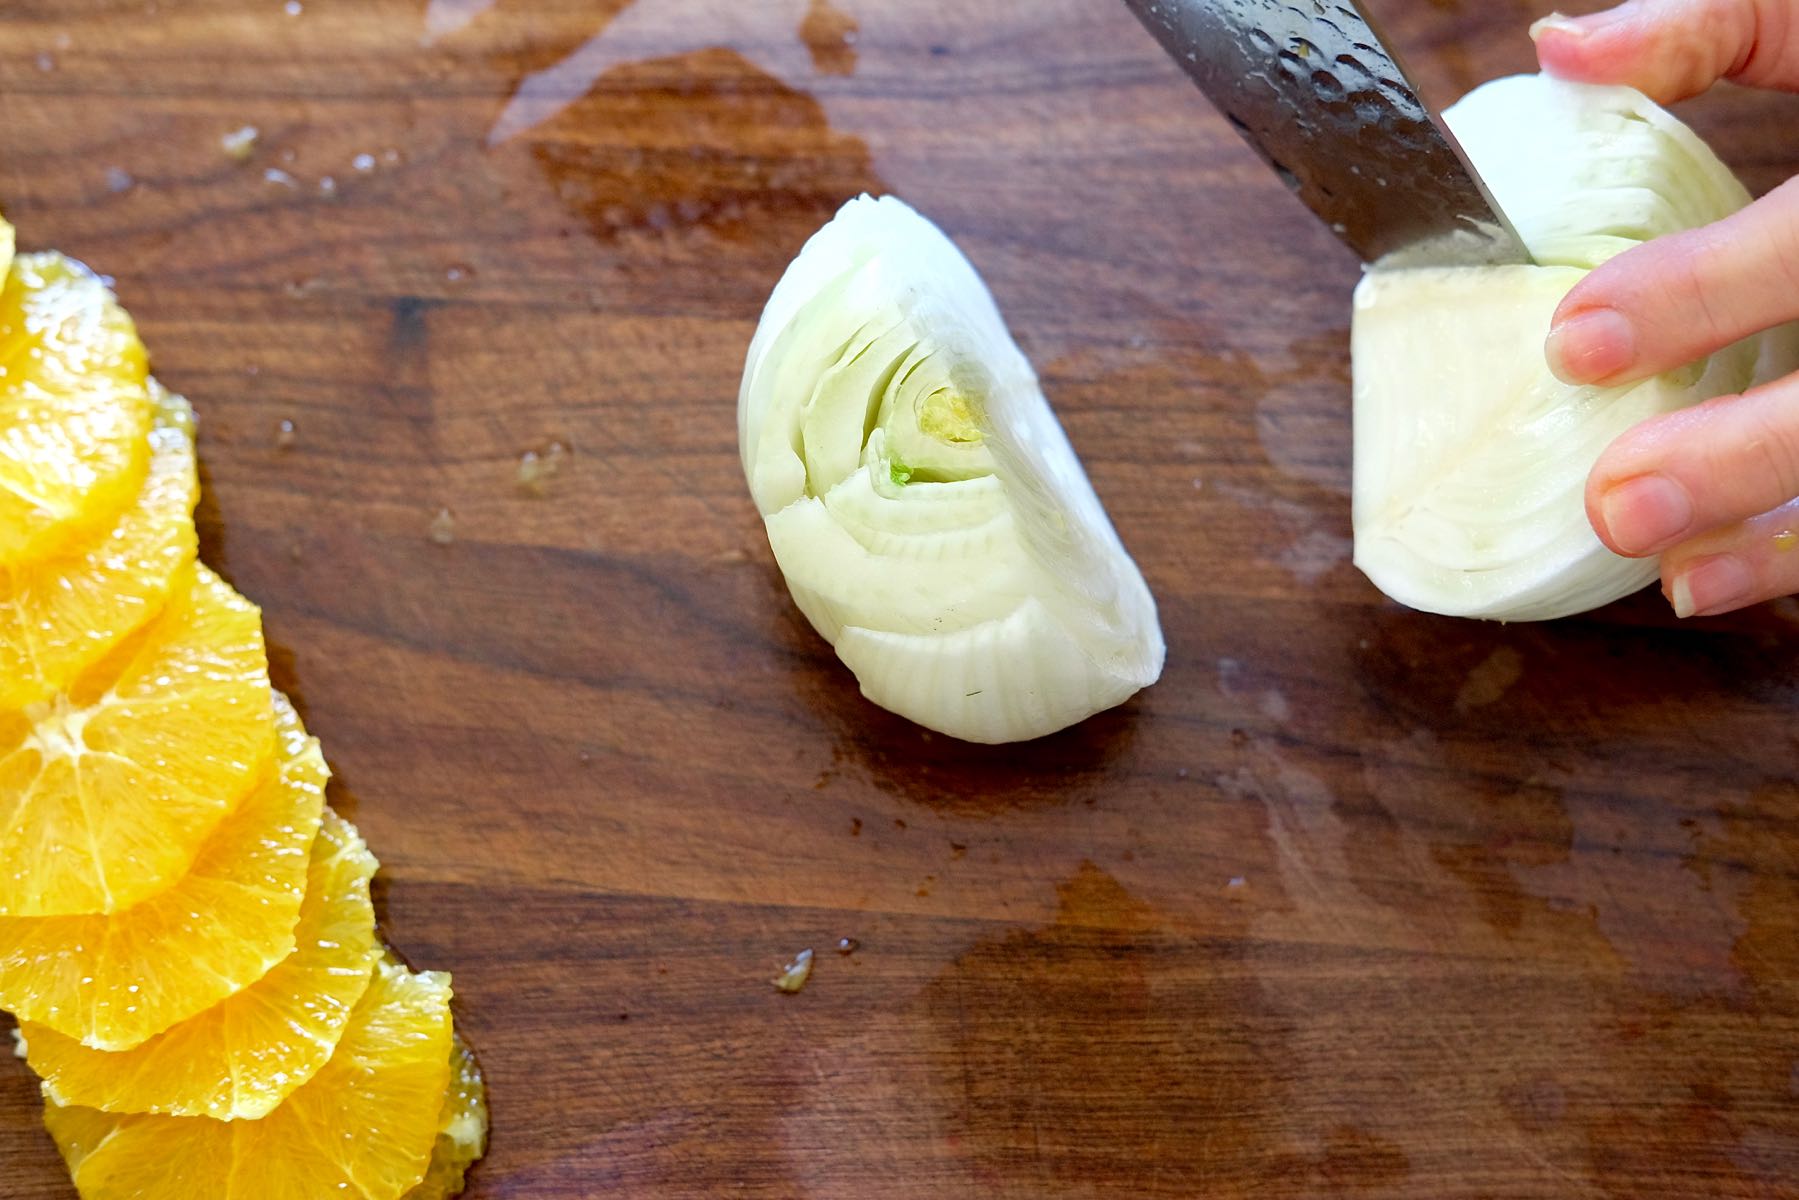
(362, 1128)
(461, 1129)
(61, 614)
(113, 982)
(74, 407)
(106, 794)
(246, 1054)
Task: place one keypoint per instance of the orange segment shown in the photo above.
(108, 793)
(461, 1129)
(61, 614)
(362, 1128)
(246, 1054)
(112, 982)
(74, 408)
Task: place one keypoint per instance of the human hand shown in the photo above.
(1712, 488)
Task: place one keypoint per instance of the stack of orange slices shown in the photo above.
(186, 936)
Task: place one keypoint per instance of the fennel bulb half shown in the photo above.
(929, 514)
(1471, 457)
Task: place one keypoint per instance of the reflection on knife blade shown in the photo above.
(1312, 87)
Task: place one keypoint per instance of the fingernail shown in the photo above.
(1560, 24)
(1591, 346)
(1580, 26)
(1711, 586)
(1646, 514)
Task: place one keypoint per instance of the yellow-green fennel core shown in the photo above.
(947, 416)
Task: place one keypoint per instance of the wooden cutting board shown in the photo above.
(1355, 902)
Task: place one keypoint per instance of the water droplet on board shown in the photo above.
(445, 17)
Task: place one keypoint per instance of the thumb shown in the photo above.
(1672, 49)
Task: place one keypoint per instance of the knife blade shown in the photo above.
(1322, 98)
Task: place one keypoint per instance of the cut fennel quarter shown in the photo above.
(1471, 458)
(928, 513)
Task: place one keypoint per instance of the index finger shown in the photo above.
(1681, 297)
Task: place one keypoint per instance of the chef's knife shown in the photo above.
(1318, 94)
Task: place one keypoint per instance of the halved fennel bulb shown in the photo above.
(929, 514)
(1471, 458)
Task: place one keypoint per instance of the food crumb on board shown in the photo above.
(240, 143)
(794, 975)
(537, 468)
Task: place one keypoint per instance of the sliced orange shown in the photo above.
(61, 614)
(363, 1127)
(113, 982)
(246, 1054)
(106, 794)
(461, 1129)
(75, 410)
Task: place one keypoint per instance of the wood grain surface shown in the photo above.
(1355, 902)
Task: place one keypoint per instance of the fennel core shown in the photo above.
(928, 428)
(948, 416)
